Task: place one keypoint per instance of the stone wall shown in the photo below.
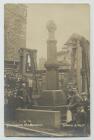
(63, 109)
(47, 118)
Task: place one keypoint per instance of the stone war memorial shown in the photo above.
(52, 95)
(51, 99)
(47, 88)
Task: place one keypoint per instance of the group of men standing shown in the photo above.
(78, 108)
(18, 95)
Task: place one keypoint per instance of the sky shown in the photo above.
(69, 19)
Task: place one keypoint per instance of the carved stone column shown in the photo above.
(51, 64)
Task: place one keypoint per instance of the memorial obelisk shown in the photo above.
(51, 64)
(52, 95)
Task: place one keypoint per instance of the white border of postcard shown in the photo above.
(2, 2)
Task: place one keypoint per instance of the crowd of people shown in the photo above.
(18, 94)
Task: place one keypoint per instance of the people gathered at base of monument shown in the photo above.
(78, 108)
(18, 94)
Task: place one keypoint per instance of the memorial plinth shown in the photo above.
(52, 98)
(44, 118)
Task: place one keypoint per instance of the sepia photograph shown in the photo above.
(46, 70)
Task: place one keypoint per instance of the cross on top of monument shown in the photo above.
(51, 26)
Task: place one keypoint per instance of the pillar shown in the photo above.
(51, 64)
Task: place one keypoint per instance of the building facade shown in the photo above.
(80, 61)
(41, 65)
(64, 61)
(14, 30)
(64, 57)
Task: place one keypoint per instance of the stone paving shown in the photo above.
(37, 131)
